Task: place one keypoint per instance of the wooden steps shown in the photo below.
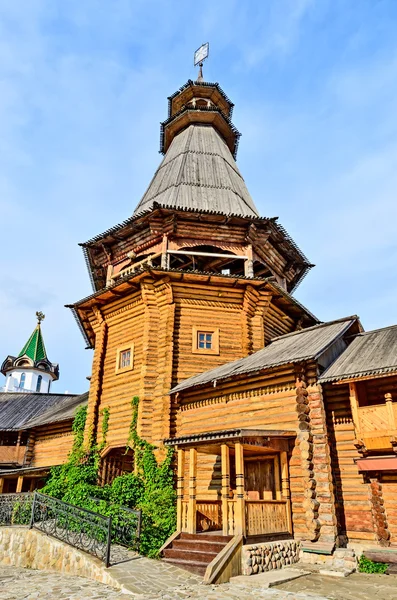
(194, 552)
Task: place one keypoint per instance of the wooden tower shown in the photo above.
(193, 279)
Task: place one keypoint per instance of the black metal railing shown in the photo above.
(126, 523)
(81, 528)
(15, 509)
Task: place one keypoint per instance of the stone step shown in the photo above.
(191, 555)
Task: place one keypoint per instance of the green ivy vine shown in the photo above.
(149, 488)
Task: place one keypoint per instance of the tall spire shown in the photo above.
(34, 347)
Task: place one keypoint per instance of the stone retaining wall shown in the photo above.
(342, 558)
(257, 558)
(31, 549)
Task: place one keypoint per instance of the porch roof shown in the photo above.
(228, 435)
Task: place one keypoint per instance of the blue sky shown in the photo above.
(83, 87)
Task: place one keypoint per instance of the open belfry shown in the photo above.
(284, 427)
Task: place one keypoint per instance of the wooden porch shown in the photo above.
(254, 496)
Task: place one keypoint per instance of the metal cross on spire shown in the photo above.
(40, 316)
(199, 57)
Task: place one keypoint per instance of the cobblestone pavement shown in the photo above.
(26, 584)
(357, 586)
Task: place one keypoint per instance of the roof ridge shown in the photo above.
(376, 330)
(318, 326)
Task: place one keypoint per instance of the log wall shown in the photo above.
(158, 319)
(53, 444)
(354, 511)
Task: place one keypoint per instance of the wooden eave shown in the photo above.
(189, 116)
(380, 374)
(192, 89)
(131, 282)
(229, 435)
(161, 219)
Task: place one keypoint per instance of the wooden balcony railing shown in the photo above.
(266, 516)
(12, 455)
(209, 515)
(377, 424)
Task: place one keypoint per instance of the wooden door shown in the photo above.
(259, 479)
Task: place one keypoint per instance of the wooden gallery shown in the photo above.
(285, 427)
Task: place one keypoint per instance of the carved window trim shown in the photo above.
(119, 355)
(214, 332)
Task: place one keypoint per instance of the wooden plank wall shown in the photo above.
(351, 492)
(53, 444)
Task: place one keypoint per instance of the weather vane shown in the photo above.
(40, 316)
(199, 57)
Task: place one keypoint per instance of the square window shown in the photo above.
(125, 358)
(205, 342)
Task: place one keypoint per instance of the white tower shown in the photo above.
(30, 371)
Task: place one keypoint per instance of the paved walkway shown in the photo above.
(357, 586)
(26, 584)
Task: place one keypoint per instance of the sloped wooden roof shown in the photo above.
(199, 172)
(63, 411)
(370, 353)
(293, 347)
(18, 409)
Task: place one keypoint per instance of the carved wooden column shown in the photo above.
(277, 480)
(1, 484)
(191, 515)
(390, 411)
(240, 488)
(286, 494)
(249, 263)
(19, 484)
(180, 489)
(225, 459)
(164, 255)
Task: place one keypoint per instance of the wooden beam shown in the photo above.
(354, 406)
(211, 254)
(225, 459)
(180, 487)
(285, 487)
(1, 484)
(277, 478)
(191, 526)
(19, 484)
(240, 489)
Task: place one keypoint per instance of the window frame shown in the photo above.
(127, 347)
(196, 330)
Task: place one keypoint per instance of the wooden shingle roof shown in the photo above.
(199, 172)
(18, 409)
(371, 353)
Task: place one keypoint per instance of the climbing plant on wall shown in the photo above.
(150, 488)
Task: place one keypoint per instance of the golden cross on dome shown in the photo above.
(40, 316)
